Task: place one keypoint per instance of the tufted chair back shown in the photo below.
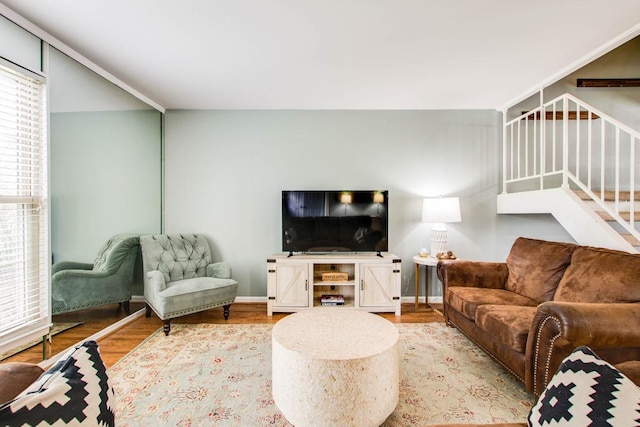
(113, 253)
(176, 256)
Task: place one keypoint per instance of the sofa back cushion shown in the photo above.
(600, 275)
(536, 267)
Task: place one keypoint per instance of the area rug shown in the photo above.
(56, 328)
(220, 375)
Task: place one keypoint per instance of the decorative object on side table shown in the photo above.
(446, 255)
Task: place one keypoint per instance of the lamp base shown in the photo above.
(438, 242)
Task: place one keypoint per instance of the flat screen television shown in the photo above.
(335, 221)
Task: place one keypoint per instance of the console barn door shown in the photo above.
(377, 285)
(292, 285)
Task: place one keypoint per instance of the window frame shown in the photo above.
(34, 235)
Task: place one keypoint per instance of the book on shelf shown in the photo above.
(332, 300)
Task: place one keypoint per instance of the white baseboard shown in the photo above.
(404, 300)
(252, 299)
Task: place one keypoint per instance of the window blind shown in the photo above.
(24, 233)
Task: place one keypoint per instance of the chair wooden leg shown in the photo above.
(226, 311)
(167, 327)
(127, 308)
(147, 312)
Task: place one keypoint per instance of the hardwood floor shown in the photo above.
(116, 345)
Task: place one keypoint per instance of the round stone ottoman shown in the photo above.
(335, 367)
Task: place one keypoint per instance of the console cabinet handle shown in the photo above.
(362, 284)
(306, 284)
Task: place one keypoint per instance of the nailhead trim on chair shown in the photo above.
(199, 309)
(80, 307)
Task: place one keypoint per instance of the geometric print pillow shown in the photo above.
(587, 391)
(74, 391)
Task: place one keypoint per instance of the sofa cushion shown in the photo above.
(536, 267)
(600, 275)
(587, 391)
(74, 391)
(15, 377)
(466, 300)
(509, 324)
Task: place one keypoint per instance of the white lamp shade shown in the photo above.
(441, 210)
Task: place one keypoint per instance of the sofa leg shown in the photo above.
(226, 311)
(167, 327)
(147, 312)
(127, 308)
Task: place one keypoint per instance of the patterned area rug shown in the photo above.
(221, 375)
(56, 328)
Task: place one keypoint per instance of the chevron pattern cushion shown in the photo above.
(74, 391)
(587, 391)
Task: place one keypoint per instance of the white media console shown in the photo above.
(365, 281)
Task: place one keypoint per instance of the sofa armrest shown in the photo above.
(15, 377)
(477, 274)
(220, 270)
(155, 282)
(559, 327)
(70, 265)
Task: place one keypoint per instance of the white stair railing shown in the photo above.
(566, 142)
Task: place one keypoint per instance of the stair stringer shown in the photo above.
(574, 215)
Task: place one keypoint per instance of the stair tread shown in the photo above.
(632, 240)
(626, 215)
(609, 195)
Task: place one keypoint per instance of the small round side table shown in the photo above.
(426, 262)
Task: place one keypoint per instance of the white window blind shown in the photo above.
(24, 234)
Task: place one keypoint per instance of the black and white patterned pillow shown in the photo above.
(74, 391)
(587, 391)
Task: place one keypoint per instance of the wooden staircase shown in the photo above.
(580, 217)
(558, 156)
(609, 197)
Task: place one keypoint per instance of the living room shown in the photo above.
(220, 170)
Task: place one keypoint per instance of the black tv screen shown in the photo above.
(335, 221)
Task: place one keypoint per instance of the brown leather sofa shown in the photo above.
(548, 298)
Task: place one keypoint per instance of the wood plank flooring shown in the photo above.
(119, 343)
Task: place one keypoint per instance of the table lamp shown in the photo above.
(438, 211)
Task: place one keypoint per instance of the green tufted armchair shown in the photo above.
(179, 277)
(76, 285)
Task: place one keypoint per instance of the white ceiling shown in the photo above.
(333, 54)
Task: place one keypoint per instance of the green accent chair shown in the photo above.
(108, 280)
(180, 277)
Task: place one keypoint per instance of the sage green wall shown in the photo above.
(105, 179)
(105, 157)
(225, 170)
